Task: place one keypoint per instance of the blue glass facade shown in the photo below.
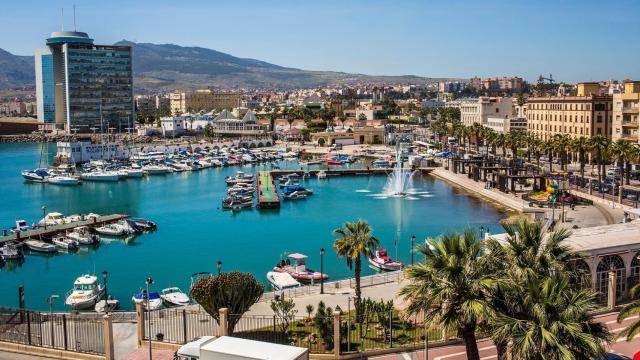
(48, 89)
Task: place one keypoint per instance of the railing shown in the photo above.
(58, 331)
(179, 326)
(330, 287)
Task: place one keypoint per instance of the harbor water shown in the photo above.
(194, 232)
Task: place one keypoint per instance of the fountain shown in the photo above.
(400, 181)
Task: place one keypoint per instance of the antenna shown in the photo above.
(62, 18)
(74, 18)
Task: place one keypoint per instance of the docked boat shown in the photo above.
(321, 174)
(53, 218)
(383, 261)
(10, 251)
(236, 203)
(104, 176)
(380, 164)
(64, 180)
(298, 188)
(116, 229)
(36, 175)
(156, 169)
(240, 177)
(83, 236)
(133, 173)
(85, 294)
(21, 226)
(298, 270)
(109, 305)
(174, 296)
(155, 301)
(294, 196)
(64, 243)
(142, 224)
(281, 280)
(40, 246)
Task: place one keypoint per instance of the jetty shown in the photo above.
(52, 230)
(337, 172)
(267, 192)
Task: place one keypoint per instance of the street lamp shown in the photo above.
(413, 241)
(50, 300)
(149, 281)
(321, 270)
(106, 293)
(219, 266)
(44, 211)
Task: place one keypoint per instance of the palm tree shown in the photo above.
(629, 310)
(599, 145)
(355, 240)
(453, 286)
(562, 145)
(549, 147)
(623, 151)
(581, 146)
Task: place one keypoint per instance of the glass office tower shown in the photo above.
(45, 86)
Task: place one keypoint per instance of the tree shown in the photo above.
(355, 240)
(623, 151)
(208, 131)
(235, 291)
(286, 311)
(323, 321)
(581, 146)
(600, 146)
(453, 286)
(630, 310)
(309, 310)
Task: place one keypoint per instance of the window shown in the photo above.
(599, 119)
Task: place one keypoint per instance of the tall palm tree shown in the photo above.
(599, 146)
(581, 146)
(355, 240)
(453, 286)
(549, 147)
(623, 151)
(629, 310)
(562, 146)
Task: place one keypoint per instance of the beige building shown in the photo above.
(202, 100)
(145, 103)
(584, 115)
(503, 125)
(478, 110)
(626, 106)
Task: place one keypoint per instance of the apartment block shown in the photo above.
(626, 106)
(478, 110)
(202, 100)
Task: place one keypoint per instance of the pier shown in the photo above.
(267, 192)
(337, 172)
(52, 230)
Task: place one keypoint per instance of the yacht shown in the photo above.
(37, 175)
(40, 246)
(382, 261)
(295, 195)
(174, 296)
(85, 293)
(156, 169)
(83, 236)
(53, 218)
(154, 299)
(116, 229)
(105, 176)
(281, 280)
(63, 180)
(134, 173)
(10, 251)
(64, 243)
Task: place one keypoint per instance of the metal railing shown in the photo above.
(69, 332)
(179, 326)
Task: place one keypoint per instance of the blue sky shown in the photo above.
(574, 40)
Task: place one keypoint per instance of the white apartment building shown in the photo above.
(478, 110)
(503, 125)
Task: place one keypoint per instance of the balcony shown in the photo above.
(629, 137)
(630, 109)
(633, 123)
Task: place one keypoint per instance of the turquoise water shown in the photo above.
(194, 233)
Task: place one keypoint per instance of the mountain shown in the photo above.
(169, 66)
(16, 70)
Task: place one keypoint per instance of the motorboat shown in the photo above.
(10, 251)
(40, 246)
(21, 226)
(134, 173)
(282, 280)
(290, 182)
(85, 294)
(104, 176)
(83, 236)
(298, 270)
(294, 196)
(116, 229)
(36, 175)
(142, 224)
(53, 218)
(174, 296)
(64, 243)
(104, 306)
(154, 299)
(240, 177)
(298, 188)
(156, 169)
(64, 180)
(383, 261)
(380, 164)
(236, 204)
(321, 174)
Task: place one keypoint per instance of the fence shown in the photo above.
(370, 280)
(58, 331)
(179, 326)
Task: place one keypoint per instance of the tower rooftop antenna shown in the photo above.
(75, 28)
(62, 18)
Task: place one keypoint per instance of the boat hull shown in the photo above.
(387, 267)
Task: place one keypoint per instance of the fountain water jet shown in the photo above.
(400, 181)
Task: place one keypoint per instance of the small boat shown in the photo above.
(10, 251)
(383, 261)
(104, 176)
(54, 218)
(83, 236)
(64, 180)
(103, 306)
(85, 293)
(156, 169)
(37, 175)
(236, 204)
(21, 226)
(299, 270)
(321, 174)
(294, 196)
(142, 224)
(65, 243)
(40, 246)
(116, 229)
(240, 177)
(380, 164)
(174, 296)
(155, 301)
(281, 280)
(298, 188)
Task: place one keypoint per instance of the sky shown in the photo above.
(575, 40)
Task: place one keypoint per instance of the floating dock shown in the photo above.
(53, 230)
(267, 192)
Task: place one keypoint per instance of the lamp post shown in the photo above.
(149, 281)
(50, 300)
(219, 266)
(106, 293)
(413, 241)
(44, 211)
(321, 270)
